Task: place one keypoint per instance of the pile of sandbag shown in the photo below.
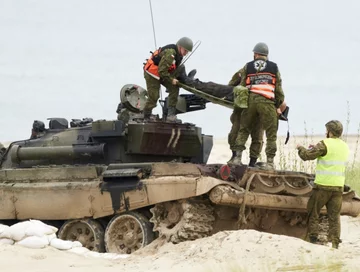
(36, 234)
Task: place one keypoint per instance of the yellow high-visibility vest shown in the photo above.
(330, 169)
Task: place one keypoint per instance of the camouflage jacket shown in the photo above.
(167, 59)
(236, 78)
(319, 150)
(279, 94)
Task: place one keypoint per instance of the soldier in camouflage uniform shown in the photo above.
(160, 68)
(332, 155)
(262, 78)
(256, 133)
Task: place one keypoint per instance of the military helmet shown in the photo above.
(186, 43)
(335, 127)
(38, 126)
(261, 49)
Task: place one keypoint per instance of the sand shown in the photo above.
(245, 250)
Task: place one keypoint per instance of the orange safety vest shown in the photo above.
(261, 77)
(151, 65)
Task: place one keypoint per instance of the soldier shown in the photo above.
(159, 69)
(262, 78)
(332, 155)
(256, 133)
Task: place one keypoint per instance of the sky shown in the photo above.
(70, 58)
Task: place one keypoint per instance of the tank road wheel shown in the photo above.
(127, 233)
(179, 221)
(88, 232)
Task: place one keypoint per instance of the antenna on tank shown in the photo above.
(153, 25)
(161, 101)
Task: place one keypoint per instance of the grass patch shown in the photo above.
(353, 177)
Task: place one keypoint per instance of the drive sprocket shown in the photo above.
(183, 220)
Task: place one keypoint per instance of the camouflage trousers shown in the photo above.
(256, 134)
(331, 197)
(262, 115)
(153, 90)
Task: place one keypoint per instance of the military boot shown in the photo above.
(232, 156)
(236, 160)
(148, 116)
(171, 116)
(252, 162)
(192, 74)
(268, 165)
(187, 79)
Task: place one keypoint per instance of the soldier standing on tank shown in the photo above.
(160, 68)
(262, 78)
(256, 132)
(332, 155)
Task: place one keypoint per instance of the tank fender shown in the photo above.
(206, 184)
(168, 188)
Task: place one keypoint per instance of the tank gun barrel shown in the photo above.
(19, 153)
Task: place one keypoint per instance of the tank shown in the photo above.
(116, 185)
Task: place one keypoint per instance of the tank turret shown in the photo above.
(125, 140)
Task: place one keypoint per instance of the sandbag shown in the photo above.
(34, 242)
(61, 244)
(29, 228)
(6, 241)
(16, 232)
(2, 228)
(76, 244)
(50, 237)
(40, 223)
(39, 230)
(79, 250)
(64, 245)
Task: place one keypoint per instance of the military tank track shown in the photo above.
(281, 184)
(182, 220)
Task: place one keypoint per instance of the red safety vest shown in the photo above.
(261, 77)
(151, 66)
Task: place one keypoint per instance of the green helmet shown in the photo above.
(185, 43)
(261, 49)
(335, 127)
